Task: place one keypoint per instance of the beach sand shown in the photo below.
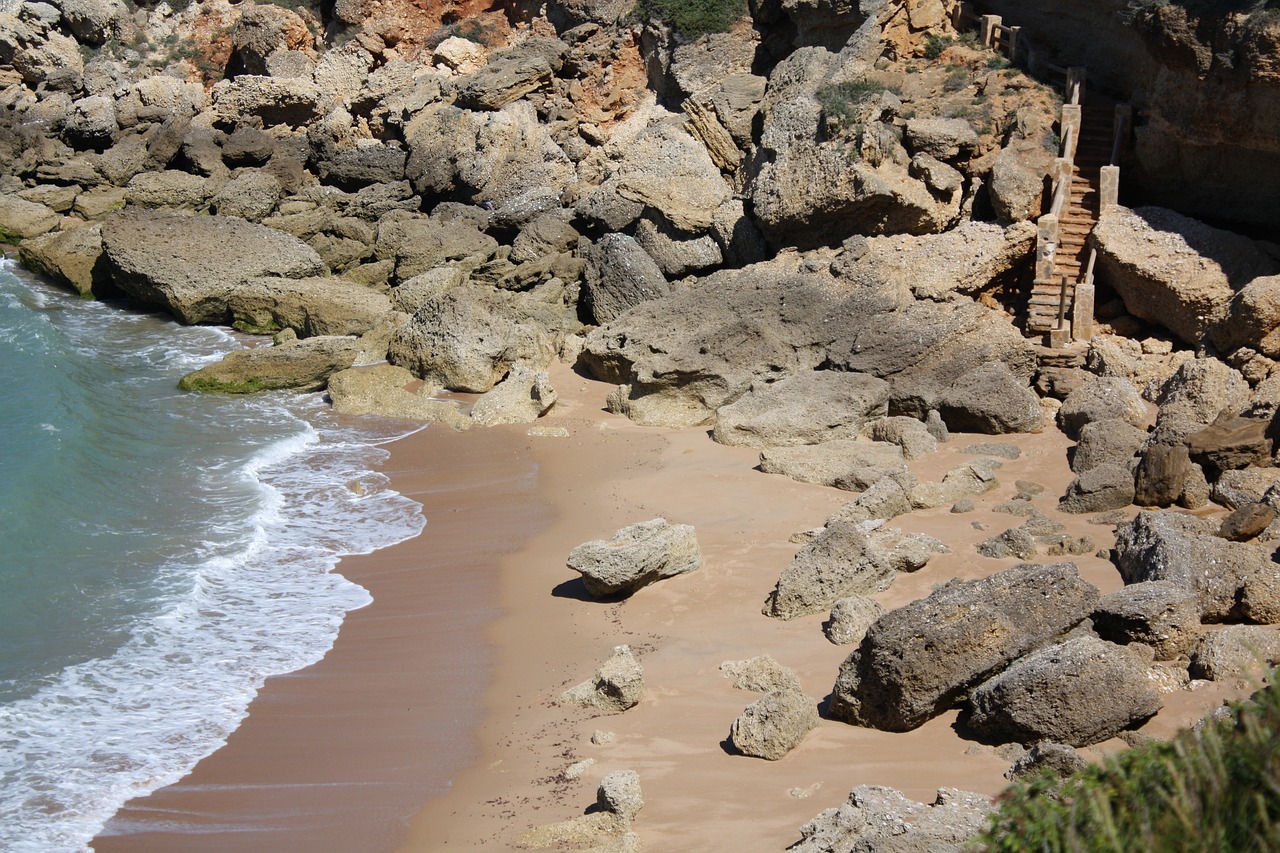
(442, 692)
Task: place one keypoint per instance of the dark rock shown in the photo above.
(619, 275)
(1247, 522)
(357, 167)
(1159, 614)
(1231, 443)
(1162, 475)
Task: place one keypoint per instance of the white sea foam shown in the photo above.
(249, 600)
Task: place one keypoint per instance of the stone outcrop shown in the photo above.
(774, 724)
(521, 398)
(843, 463)
(990, 399)
(619, 274)
(303, 365)
(636, 556)
(72, 258)
(381, 390)
(308, 306)
(878, 818)
(616, 686)
(807, 408)
(1236, 651)
(1079, 692)
(189, 265)
(919, 660)
(1101, 398)
(1160, 614)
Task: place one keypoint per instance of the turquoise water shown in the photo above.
(161, 553)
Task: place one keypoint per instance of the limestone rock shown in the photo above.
(20, 218)
(1237, 488)
(1163, 475)
(967, 480)
(1235, 651)
(636, 556)
(944, 138)
(1079, 692)
(1253, 318)
(990, 399)
(850, 618)
(188, 264)
(834, 565)
(886, 498)
(1174, 271)
(419, 245)
(300, 365)
(1111, 441)
(1230, 443)
(1101, 488)
(619, 793)
(807, 408)
(761, 674)
(774, 724)
(1017, 185)
(882, 819)
(273, 100)
(1159, 614)
(521, 398)
(309, 306)
(919, 660)
(1101, 398)
(380, 390)
(619, 274)
(843, 463)
(1059, 758)
(1200, 390)
(251, 195)
(72, 258)
(512, 73)
(616, 686)
(908, 433)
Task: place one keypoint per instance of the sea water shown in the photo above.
(161, 553)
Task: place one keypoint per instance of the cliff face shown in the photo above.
(1205, 84)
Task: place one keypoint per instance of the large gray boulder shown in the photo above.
(1018, 182)
(774, 724)
(636, 556)
(309, 306)
(922, 659)
(619, 274)
(304, 365)
(380, 390)
(881, 820)
(521, 398)
(1106, 442)
(188, 265)
(807, 408)
(1159, 614)
(1101, 398)
(1184, 549)
(1100, 489)
(1079, 692)
(845, 559)
(845, 463)
(1174, 271)
(1236, 651)
(467, 339)
(990, 399)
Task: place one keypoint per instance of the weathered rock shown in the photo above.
(290, 101)
(850, 618)
(619, 793)
(251, 195)
(72, 258)
(616, 686)
(1079, 692)
(1014, 542)
(513, 153)
(380, 390)
(972, 478)
(1159, 614)
(1238, 488)
(1200, 390)
(419, 245)
(636, 556)
(990, 399)
(1235, 651)
(20, 218)
(807, 408)
(521, 398)
(843, 463)
(1046, 756)
(1018, 181)
(260, 32)
(678, 253)
(188, 264)
(94, 21)
(919, 660)
(761, 674)
(1174, 271)
(1101, 398)
(512, 73)
(467, 339)
(1163, 475)
(619, 275)
(1109, 441)
(774, 725)
(1230, 443)
(840, 561)
(1185, 550)
(1253, 318)
(304, 365)
(1247, 522)
(886, 498)
(908, 433)
(169, 188)
(1101, 488)
(944, 138)
(92, 123)
(309, 306)
(882, 819)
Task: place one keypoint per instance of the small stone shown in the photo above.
(601, 738)
(962, 505)
(993, 448)
(620, 794)
(575, 770)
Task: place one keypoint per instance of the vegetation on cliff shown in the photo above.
(1215, 788)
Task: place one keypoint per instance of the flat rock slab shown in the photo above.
(807, 408)
(304, 365)
(310, 306)
(635, 557)
(844, 463)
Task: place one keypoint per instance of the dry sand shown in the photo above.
(420, 702)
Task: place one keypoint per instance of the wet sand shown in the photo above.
(460, 714)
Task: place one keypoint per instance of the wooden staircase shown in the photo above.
(1071, 255)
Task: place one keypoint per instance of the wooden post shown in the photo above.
(989, 24)
(1082, 312)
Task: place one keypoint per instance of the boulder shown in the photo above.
(419, 245)
(1247, 522)
(353, 168)
(616, 686)
(1046, 757)
(1159, 614)
(619, 794)
(1235, 651)
(919, 660)
(944, 138)
(1237, 488)
(807, 408)
(761, 674)
(512, 74)
(521, 398)
(1111, 441)
(882, 819)
(260, 32)
(513, 154)
(169, 188)
(1100, 489)
(1101, 398)
(20, 219)
(990, 399)
(843, 463)
(437, 137)
(1018, 181)
(1174, 271)
(92, 123)
(908, 433)
(72, 258)
(94, 21)
(251, 195)
(308, 306)
(1173, 546)
(1253, 318)
(188, 265)
(380, 390)
(774, 724)
(1079, 693)
(619, 274)
(1163, 475)
(1200, 390)
(636, 556)
(1229, 443)
(299, 365)
(840, 561)
(467, 339)
(886, 498)
(294, 101)
(676, 252)
(850, 618)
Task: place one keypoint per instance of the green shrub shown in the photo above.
(934, 45)
(1216, 790)
(840, 101)
(692, 18)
